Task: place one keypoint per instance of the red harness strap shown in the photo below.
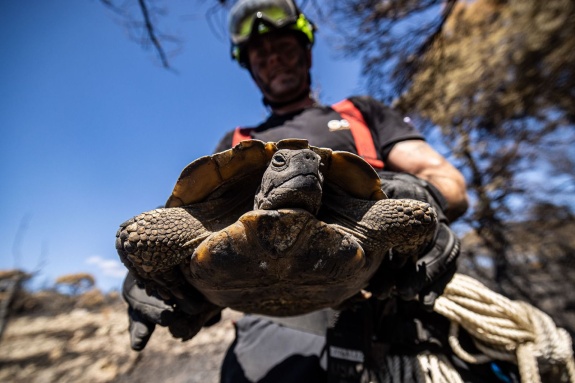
(359, 130)
(241, 134)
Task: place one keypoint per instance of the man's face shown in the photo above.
(279, 65)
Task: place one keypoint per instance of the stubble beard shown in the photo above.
(287, 85)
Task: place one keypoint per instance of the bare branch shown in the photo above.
(142, 27)
(152, 33)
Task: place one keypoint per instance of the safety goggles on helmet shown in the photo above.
(257, 17)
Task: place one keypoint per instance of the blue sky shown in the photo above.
(94, 131)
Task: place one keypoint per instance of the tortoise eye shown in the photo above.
(278, 160)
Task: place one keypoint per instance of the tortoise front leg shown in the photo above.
(404, 225)
(154, 244)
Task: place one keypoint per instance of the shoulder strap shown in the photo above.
(360, 132)
(241, 134)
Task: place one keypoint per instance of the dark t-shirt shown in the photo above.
(320, 126)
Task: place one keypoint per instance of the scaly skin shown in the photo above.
(160, 239)
(154, 244)
(405, 225)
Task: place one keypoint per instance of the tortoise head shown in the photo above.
(291, 180)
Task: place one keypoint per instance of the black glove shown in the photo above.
(427, 277)
(146, 311)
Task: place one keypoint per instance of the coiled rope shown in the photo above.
(422, 368)
(503, 330)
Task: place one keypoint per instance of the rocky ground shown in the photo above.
(90, 344)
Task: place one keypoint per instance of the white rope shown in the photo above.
(438, 369)
(422, 368)
(501, 329)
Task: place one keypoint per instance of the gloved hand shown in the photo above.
(426, 277)
(146, 311)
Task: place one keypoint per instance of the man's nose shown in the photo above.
(274, 57)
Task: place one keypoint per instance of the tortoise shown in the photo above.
(277, 229)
